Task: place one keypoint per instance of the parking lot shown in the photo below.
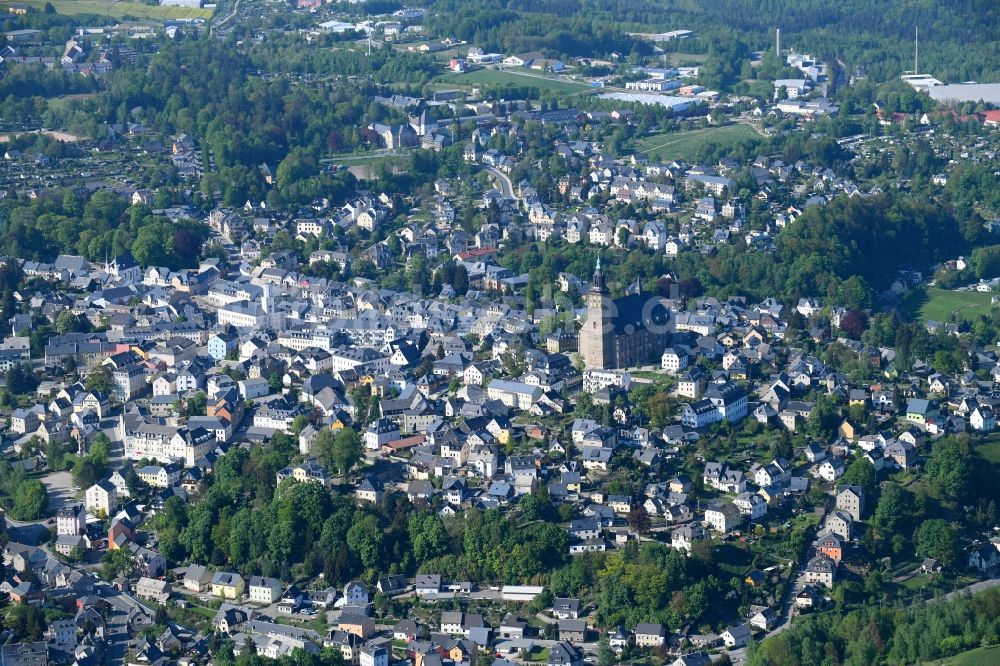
(60, 488)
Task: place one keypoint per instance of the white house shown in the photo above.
(723, 518)
(831, 469)
(264, 590)
(514, 394)
(102, 496)
(373, 655)
(736, 636)
(673, 361)
(982, 420)
(751, 504)
(380, 432)
(685, 536)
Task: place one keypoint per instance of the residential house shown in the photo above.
(566, 609)
(197, 578)
(736, 636)
(723, 517)
(361, 626)
(650, 635)
(228, 585)
(831, 545)
(101, 498)
(821, 570)
(263, 590)
(574, 631)
(152, 589)
(565, 654)
(851, 500)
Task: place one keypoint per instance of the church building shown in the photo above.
(623, 332)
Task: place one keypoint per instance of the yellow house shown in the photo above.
(227, 585)
(459, 655)
(500, 430)
(140, 350)
(753, 337)
(360, 625)
(308, 471)
(739, 372)
(847, 431)
(729, 340)
(770, 495)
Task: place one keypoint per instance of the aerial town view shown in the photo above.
(499, 332)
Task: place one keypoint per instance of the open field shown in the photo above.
(63, 102)
(681, 59)
(120, 10)
(976, 657)
(58, 136)
(495, 77)
(679, 145)
(939, 304)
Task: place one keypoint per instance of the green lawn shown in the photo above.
(539, 655)
(660, 379)
(940, 304)
(62, 103)
(918, 582)
(976, 657)
(735, 561)
(680, 145)
(990, 448)
(480, 77)
(120, 10)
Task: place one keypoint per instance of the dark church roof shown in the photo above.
(635, 311)
(126, 261)
(631, 313)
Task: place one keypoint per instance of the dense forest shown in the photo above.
(844, 253)
(95, 226)
(246, 522)
(883, 635)
(878, 36)
(860, 242)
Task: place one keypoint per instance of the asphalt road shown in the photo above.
(122, 605)
(118, 636)
(973, 588)
(506, 187)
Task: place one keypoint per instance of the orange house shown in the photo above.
(120, 534)
(831, 546)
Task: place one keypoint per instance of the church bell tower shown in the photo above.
(596, 341)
